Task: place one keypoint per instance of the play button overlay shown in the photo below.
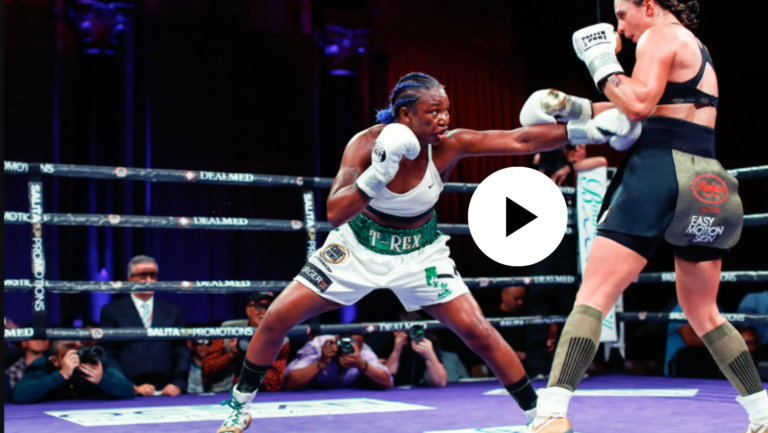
(517, 216)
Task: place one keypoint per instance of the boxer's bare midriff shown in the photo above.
(699, 114)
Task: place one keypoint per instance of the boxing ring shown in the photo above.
(602, 404)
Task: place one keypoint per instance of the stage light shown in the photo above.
(100, 25)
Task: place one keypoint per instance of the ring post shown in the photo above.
(39, 304)
(310, 217)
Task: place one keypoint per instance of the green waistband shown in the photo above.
(390, 241)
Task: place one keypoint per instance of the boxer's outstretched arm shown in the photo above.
(521, 141)
(638, 95)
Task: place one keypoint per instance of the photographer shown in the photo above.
(415, 360)
(73, 373)
(330, 361)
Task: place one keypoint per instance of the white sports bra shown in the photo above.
(416, 201)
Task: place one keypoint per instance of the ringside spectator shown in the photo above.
(222, 363)
(199, 349)
(756, 303)
(151, 365)
(33, 349)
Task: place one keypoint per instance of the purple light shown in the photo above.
(361, 50)
(77, 323)
(101, 275)
(99, 51)
(332, 49)
(348, 313)
(341, 72)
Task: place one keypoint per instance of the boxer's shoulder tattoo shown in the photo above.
(349, 176)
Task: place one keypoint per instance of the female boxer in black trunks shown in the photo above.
(670, 187)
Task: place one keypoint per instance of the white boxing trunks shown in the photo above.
(362, 256)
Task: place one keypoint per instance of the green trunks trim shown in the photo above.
(432, 281)
(431, 276)
(390, 241)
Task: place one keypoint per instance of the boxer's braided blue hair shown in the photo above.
(406, 93)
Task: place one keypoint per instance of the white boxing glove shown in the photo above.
(610, 126)
(551, 106)
(597, 46)
(394, 142)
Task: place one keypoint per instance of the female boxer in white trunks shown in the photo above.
(382, 205)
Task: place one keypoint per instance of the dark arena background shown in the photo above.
(276, 89)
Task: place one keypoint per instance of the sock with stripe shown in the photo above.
(732, 356)
(577, 347)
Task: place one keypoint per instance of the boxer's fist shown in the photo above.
(610, 126)
(597, 46)
(394, 142)
(550, 106)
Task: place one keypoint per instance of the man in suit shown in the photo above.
(150, 365)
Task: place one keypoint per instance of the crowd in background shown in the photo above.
(40, 370)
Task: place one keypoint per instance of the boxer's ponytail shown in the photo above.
(684, 11)
(688, 16)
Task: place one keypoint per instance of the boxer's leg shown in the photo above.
(610, 269)
(294, 305)
(464, 317)
(697, 286)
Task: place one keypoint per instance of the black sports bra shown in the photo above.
(687, 93)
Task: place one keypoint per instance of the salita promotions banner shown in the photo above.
(590, 190)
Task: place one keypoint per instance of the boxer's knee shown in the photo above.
(703, 318)
(600, 298)
(275, 325)
(482, 337)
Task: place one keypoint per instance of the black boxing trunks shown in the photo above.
(672, 186)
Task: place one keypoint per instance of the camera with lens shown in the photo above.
(345, 345)
(416, 333)
(90, 355)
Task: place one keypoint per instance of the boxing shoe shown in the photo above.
(552, 408)
(239, 417)
(762, 428)
(551, 425)
(756, 406)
